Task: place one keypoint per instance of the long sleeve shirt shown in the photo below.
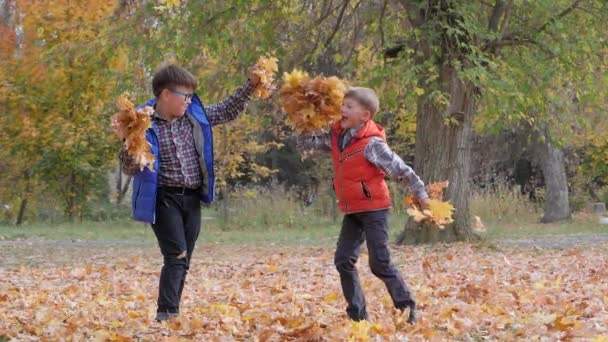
(179, 166)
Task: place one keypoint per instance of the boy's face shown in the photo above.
(354, 114)
(175, 100)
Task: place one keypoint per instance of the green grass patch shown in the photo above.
(277, 217)
(108, 230)
(585, 225)
(311, 234)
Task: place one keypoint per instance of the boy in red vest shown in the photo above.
(361, 160)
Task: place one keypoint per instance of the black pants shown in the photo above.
(178, 223)
(356, 228)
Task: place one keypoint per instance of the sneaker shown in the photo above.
(163, 316)
(413, 314)
(413, 317)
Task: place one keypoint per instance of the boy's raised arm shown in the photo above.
(379, 154)
(232, 106)
(312, 142)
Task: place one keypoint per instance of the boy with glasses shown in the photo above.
(169, 198)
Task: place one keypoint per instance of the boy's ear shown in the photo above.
(163, 94)
(367, 115)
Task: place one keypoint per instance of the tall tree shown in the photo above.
(455, 48)
(63, 72)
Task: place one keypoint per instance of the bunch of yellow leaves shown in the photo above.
(131, 126)
(439, 213)
(265, 69)
(311, 104)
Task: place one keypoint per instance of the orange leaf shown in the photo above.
(131, 125)
(311, 104)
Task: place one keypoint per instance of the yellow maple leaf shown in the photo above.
(295, 78)
(439, 213)
(331, 297)
(359, 331)
(265, 69)
(133, 314)
(562, 323)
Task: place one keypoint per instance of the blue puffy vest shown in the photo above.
(145, 183)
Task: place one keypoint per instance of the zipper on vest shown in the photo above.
(342, 182)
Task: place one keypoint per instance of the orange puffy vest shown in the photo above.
(359, 184)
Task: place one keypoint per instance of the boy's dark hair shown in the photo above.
(170, 76)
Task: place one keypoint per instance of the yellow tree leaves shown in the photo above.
(55, 84)
(311, 104)
(120, 61)
(131, 125)
(265, 69)
(63, 21)
(439, 212)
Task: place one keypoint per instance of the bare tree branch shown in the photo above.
(413, 12)
(486, 4)
(497, 12)
(338, 23)
(381, 22)
(522, 37)
(507, 16)
(562, 14)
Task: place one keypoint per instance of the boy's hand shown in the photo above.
(425, 203)
(253, 77)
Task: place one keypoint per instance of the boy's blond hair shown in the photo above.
(366, 97)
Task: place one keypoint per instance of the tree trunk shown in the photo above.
(551, 159)
(21, 215)
(70, 198)
(23, 205)
(443, 151)
(121, 188)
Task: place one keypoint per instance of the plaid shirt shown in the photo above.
(179, 165)
(376, 152)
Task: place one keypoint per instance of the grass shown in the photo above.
(578, 225)
(108, 230)
(277, 217)
(509, 215)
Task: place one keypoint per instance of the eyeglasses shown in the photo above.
(187, 96)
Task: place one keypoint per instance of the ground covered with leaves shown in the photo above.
(242, 293)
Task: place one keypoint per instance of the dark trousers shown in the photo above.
(178, 223)
(356, 228)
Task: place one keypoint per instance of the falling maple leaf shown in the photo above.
(131, 126)
(265, 68)
(311, 104)
(439, 213)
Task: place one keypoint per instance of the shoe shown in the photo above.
(413, 317)
(413, 314)
(163, 316)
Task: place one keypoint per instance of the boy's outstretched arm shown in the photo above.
(311, 142)
(378, 153)
(232, 106)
